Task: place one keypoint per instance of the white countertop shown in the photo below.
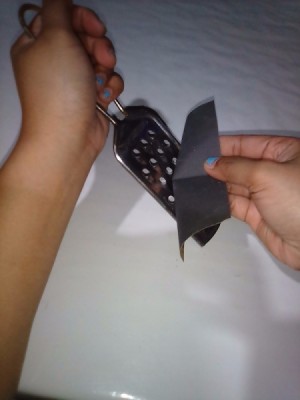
(122, 317)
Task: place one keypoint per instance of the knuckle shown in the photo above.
(226, 165)
(250, 173)
(262, 172)
(118, 83)
(257, 172)
(55, 34)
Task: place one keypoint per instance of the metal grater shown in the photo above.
(147, 149)
(143, 144)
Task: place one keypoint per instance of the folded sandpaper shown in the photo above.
(201, 202)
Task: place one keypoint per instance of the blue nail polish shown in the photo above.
(99, 80)
(106, 93)
(211, 160)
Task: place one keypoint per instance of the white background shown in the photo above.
(122, 317)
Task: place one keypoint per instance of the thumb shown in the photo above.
(57, 14)
(237, 170)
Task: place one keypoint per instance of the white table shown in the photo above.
(122, 317)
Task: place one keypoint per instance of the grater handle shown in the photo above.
(113, 119)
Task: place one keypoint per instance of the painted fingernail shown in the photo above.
(106, 94)
(211, 161)
(100, 80)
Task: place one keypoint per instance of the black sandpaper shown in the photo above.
(200, 201)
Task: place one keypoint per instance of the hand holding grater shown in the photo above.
(147, 149)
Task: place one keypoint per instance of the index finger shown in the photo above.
(57, 14)
(275, 148)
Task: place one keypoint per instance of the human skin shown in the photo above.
(263, 180)
(61, 136)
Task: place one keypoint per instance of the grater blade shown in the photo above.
(147, 149)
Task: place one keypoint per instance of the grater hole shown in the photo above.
(136, 152)
(160, 151)
(167, 143)
(144, 142)
(151, 133)
(171, 199)
(146, 171)
(174, 160)
(162, 180)
(169, 170)
(153, 161)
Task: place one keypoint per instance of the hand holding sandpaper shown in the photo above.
(201, 201)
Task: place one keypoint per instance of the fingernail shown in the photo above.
(211, 161)
(106, 94)
(100, 80)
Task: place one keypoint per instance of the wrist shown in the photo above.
(45, 170)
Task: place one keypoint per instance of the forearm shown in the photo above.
(41, 181)
(37, 197)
